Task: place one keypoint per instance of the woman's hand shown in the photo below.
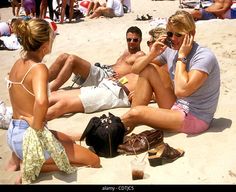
(30, 121)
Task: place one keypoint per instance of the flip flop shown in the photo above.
(149, 16)
(138, 18)
(144, 18)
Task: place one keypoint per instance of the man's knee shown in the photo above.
(73, 61)
(148, 71)
(64, 56)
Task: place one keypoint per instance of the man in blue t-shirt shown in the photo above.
(188, 100)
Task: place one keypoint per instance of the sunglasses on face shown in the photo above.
(171, 34)
(133, 40)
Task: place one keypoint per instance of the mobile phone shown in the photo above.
(168, 42)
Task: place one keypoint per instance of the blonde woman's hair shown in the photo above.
(156, 32)
(181, 21)
(32, 34)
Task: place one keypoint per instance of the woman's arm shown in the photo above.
(40, 89)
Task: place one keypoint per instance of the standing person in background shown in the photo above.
(15, 4)
(28, 136)
(63, 10)
(37, 8)
(29, 7)
(43, 9)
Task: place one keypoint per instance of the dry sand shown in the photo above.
(209, 158)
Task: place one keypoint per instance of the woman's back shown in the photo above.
(20, 86)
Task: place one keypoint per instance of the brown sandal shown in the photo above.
(164, 154)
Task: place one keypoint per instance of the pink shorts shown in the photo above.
(191, 124)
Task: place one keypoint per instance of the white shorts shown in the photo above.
(107, 95)
(96, 75)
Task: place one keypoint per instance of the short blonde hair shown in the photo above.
(156, 32)
(181, 21)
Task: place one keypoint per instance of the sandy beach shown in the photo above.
(209, 158)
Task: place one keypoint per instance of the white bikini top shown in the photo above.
(10, 83)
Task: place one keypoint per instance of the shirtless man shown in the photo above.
(217, 10)
(101, 86)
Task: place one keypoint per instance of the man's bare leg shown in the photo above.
(62, 69)
(155, 80)
(97, 13)
(57, 65)
(151, 80)
(64, 102)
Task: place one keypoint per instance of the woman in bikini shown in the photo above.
(28, 91)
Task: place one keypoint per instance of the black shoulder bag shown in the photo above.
(104, 134)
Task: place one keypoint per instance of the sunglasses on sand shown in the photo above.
(171, 34)
(134, 40)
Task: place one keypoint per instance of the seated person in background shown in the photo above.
(214, 11)
(93, 5)
(5, 29)
(187, 104)
(126, 5)
(97, 82)
(113, 8)
(8, 41)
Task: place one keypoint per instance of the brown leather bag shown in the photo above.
(139, 143)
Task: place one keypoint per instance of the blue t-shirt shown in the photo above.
(203, 102)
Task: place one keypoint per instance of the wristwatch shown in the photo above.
(184, 60)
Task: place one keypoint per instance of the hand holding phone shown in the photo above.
(168, 42)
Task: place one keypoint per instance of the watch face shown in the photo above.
(184, 60)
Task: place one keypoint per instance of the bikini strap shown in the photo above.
(9, 83)
(28, 72)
